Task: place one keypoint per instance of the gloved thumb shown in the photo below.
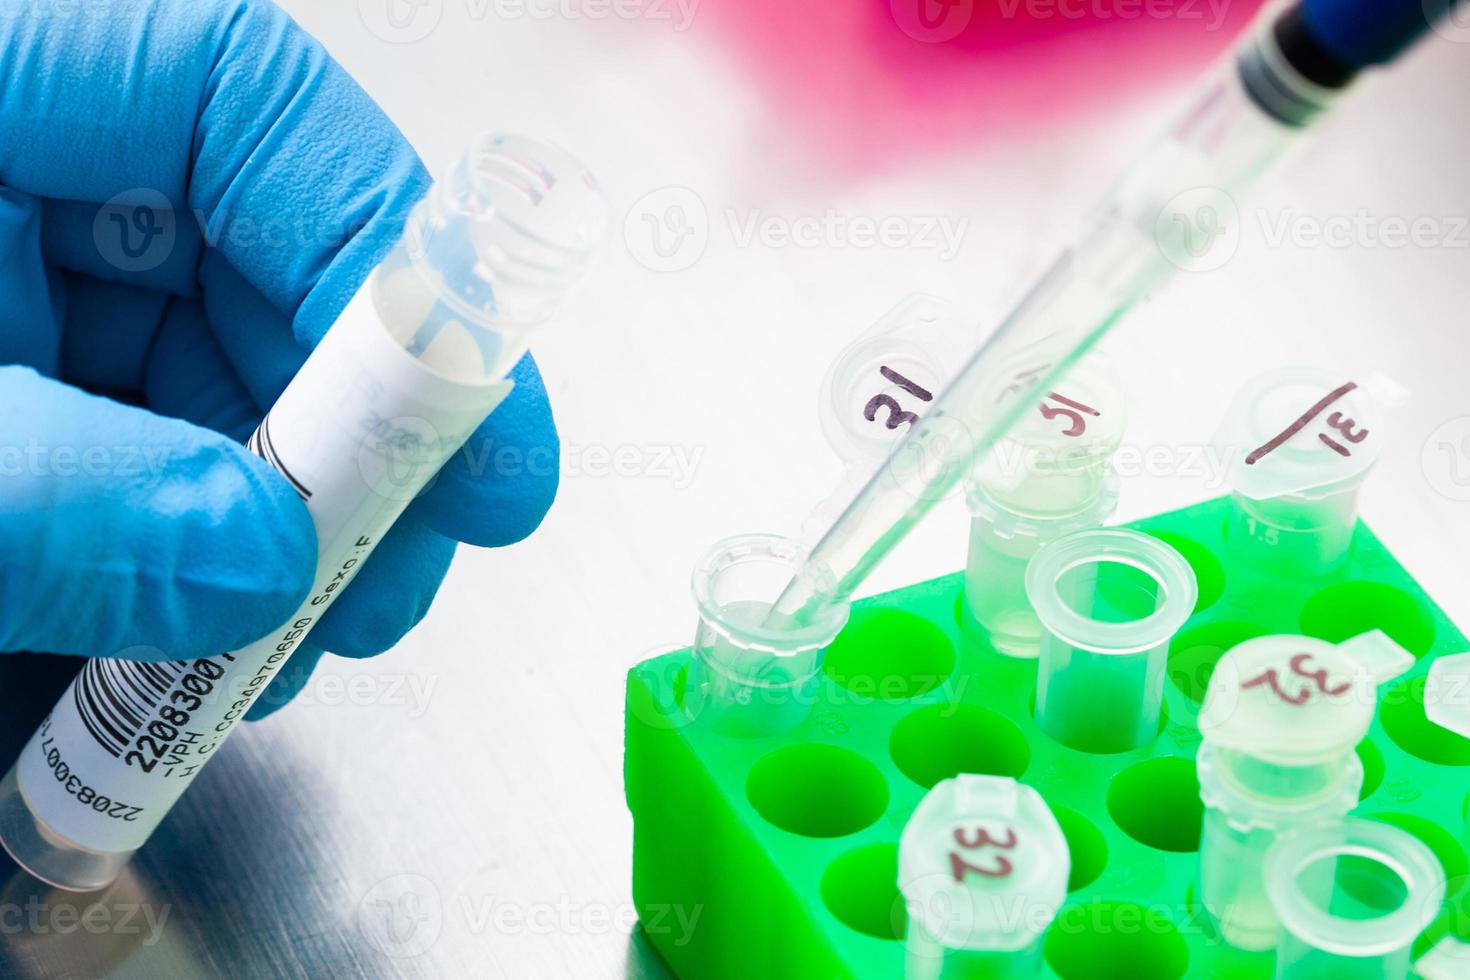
(121, 530)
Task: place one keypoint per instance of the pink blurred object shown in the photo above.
(875, 81)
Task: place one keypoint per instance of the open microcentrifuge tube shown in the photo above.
(1352, 896)
(1299, 443)
(1109, 600)
(983, 868)
(1047, 477)
(1281, 720)
(747, 679)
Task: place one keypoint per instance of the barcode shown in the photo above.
(260, 444)
(115, 698)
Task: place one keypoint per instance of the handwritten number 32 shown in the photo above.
(959, 867)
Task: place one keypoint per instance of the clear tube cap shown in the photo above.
(490, 252)
(1297, 701)
(1054, 460)
(982, 864)
(1448, 959)
(1447, 693)
(531, 215)
(1303, 431)
(892, 370)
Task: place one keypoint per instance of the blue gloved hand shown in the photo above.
(190, 192)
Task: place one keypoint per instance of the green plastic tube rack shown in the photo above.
(777, 856)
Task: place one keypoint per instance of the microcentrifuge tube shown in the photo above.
(1047, 477)
(748, 677)
(1281, 720)
(983, 868)
(1352, 896)
(1109, 600)
(1298, 443)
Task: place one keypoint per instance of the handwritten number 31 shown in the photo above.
(896, 414)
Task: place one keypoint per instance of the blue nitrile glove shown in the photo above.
(131, 517)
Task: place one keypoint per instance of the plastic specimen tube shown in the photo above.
(748, 679)
(983, 868)
(1109, 600)
(1048, 477)
(1300, 442)
(415, 362)
(1352, 896)
(1281, 720)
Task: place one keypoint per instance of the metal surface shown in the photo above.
(454, 808)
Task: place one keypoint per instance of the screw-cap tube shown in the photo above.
(412, 366)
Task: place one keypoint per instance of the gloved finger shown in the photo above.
(135, 238)
(493, 492)
(287, 683)
(498, 487)
(120, 528)
(391, 593)
(222, 113)
(187, 375)
(131, 338)
(31, 302)
(254, 335)
(110, 329)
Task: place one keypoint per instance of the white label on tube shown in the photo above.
(359, 432)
